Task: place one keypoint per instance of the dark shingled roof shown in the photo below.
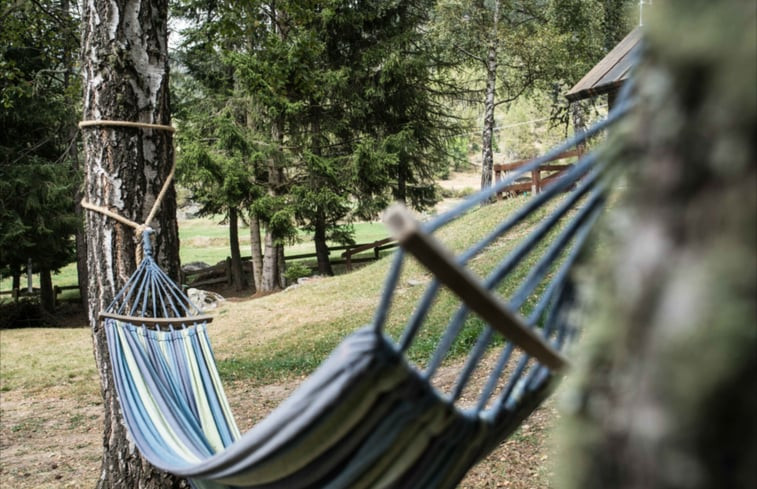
(609, 73)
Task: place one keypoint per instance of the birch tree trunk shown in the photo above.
(487, 152)
(256, 251)
(125, 70)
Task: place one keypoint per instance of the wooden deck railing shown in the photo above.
(534, 182)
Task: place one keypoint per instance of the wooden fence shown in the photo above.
(24, 291)
(221, 272)
(534, 182)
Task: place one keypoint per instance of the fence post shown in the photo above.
(535, 181)
(30, 289)
(497, 178)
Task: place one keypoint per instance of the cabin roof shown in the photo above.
(610, 72)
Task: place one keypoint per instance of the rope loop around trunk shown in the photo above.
(139, 229)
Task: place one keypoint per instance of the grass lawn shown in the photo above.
(50, 418)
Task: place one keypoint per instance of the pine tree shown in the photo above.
(37, 180)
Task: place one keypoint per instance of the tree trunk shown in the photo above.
(125, 70)
(401, 194)
(487, 152)
(281, 262)
(664, 394)
(29, 277)
(46, 293)
(237, 273)
(321, 248)
(81, 256)
(272, 278)
(256, 251)
(16, 283)
(269, 282)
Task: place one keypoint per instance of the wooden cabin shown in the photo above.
(605, 78)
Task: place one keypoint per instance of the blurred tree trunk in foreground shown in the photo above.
(665, 393)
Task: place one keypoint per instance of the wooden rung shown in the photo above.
(157, 321)
(440, 261)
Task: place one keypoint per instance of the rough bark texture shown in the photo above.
(665, 394)
(125, 69)
(487, 151)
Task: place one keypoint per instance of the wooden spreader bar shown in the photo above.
(148, 321)
(440, 261)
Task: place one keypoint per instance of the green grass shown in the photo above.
(42, 359)
(314, 319)
(287, 335)
(207, 240)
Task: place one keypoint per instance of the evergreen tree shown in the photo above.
(37, 181)
(344, 113)
(216, 161)
(229, 136)
(513, 47)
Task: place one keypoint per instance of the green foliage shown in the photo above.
(542, 48)
(37, 182)
(334, 102)
(296, 270)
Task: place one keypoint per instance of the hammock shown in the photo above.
(367, 417)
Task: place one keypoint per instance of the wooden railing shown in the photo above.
(533, 182)
(221, 272)
(377, 246)
(24, 291)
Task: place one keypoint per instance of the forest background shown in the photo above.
(297, 116)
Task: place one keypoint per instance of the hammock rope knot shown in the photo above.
(139, 229)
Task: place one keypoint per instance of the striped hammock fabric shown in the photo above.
(367, 417)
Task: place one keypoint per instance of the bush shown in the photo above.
(295, 271)
(25, 313)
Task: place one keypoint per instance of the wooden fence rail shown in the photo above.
(221, 272)
(533, 182)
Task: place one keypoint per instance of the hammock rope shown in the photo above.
(369, 416)
(139, 229)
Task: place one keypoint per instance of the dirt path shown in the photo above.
(48, 442)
